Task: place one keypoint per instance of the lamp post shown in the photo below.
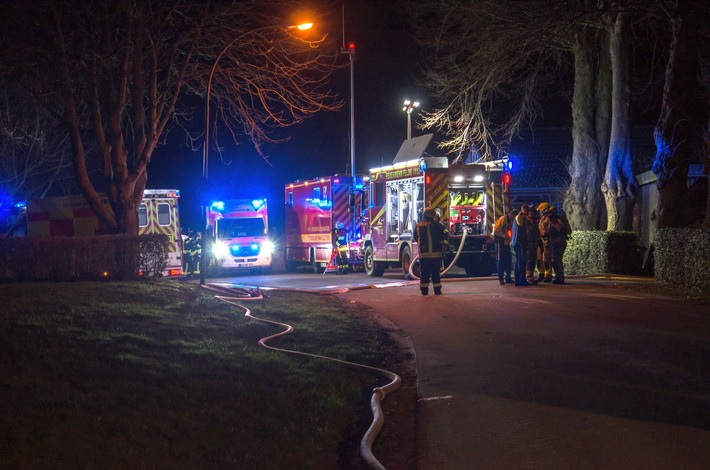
(351, 200)
(409, 105)
(206, 150)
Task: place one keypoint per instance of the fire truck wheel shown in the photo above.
(291, 266)
(372, 267)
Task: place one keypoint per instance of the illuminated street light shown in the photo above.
(409, 105)
(208, 92)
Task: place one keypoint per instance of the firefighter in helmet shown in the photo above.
(556, 233)
(544, 257)
(340, 244)
(431, 236)
(193, 249)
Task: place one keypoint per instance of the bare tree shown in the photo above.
(35, 156)
(591, 117)
(682, 107)
(490, 60)
(619, 186)
(487, 68)
(127, 64)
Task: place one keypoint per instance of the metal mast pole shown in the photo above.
(351, 53)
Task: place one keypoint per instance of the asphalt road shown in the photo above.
(593, 374)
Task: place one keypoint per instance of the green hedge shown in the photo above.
(681, 257)
(82, 258)
(596, 252)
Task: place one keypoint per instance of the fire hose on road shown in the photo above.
(233, 296)
(453, 262)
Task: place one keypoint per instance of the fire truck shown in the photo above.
(315, 209)
(468, 197)
(239, 229)
(71, 216)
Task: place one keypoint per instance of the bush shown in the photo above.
(595, 252)
(82, 258)
(153, 254)
(681, 256)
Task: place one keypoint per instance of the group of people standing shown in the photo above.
(538, 237)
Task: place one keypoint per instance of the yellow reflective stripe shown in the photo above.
(378, 216)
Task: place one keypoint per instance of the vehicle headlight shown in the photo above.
(220, 250)
(268, 247)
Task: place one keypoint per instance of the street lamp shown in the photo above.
(409, 105)
(206, 151)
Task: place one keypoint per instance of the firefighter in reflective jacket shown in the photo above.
(193, 250)
(340, 244)
(431, 236)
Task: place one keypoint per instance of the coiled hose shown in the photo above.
(378, 394)
(453, 262)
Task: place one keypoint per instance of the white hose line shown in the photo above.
(453, 262)
(378, 394)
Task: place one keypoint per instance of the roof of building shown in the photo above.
(540, 156)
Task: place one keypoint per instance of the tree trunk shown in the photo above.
(582, 202)
(706, 169)
(619, 186)
(674, 126)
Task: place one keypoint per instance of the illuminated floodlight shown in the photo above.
(478, 178)
(458, 179)
(268, 247)
(220, 250)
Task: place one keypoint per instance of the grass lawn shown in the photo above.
(163, 375)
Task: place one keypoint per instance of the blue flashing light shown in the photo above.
(258, 204)
(321, 202)
(422, 165)
(218, 205)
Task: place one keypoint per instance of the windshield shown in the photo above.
(234, 228)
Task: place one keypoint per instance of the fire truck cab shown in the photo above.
(239, 229)
(315, 209)
(468, 197)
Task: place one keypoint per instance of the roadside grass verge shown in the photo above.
(163, 375)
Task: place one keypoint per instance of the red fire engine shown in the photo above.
(315, 209)
(469, 198)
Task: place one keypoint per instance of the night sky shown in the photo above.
(386, 71)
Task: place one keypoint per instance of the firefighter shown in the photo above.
(534, 242)
(504, 257)
(193, 249)
(431, 236)
(555, 241)
(544, 257)
(186, 243)
(340, 244)
(519, 241)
